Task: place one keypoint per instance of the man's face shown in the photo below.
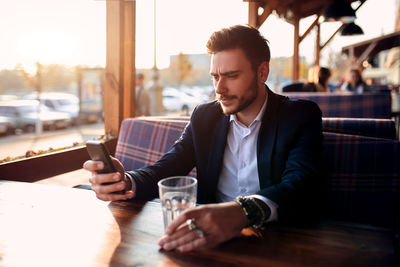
(235, 82)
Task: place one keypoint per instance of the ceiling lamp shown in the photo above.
(340, 10)
(351, 29)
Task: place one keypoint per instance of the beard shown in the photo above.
(243, 101)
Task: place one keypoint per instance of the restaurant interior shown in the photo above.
(361, 155)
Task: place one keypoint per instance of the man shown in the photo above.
(252, 146)
(142, 97)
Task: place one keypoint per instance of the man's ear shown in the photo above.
(263, 71)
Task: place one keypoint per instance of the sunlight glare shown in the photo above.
(47, 47)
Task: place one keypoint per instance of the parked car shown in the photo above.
(174, 100)
(24, 115)
(7, 126)
(59, 102)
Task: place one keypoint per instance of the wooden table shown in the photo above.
(43, 225)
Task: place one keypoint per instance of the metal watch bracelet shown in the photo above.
(255, 213)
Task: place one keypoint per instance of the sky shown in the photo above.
(72, 32)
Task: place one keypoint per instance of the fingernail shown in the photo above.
(167, 246)
(116, 177)
(99, 165)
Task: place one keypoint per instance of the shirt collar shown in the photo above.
(260, 114)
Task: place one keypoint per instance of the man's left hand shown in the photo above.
(214, 224)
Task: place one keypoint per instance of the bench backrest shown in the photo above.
(364, 171)
(142, 141)
(364, 178)
(366, 105)
(381, 128)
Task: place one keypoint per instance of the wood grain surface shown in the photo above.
(43, 225)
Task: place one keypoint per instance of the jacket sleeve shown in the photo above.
(179, 160)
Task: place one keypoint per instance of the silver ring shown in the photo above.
(192, 225)
(200, 233)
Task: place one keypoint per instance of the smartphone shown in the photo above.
(98, 151)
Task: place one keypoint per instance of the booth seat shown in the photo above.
(381, 128)
(363, 172)
(366, 105)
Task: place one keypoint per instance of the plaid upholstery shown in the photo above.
(381, 128)
(364, 171)
(365, 182)
(367, 105)
(144, 140)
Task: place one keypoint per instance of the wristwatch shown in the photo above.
(256, 211)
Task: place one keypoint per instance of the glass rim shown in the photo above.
(194, 182)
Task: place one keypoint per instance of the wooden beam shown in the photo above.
(366, 53)
(333, 35)
(119, 89)
(318, 45)
(269, 6)
(295, 73)
(114, 67)
(253, 13)
(309, 29)
(129, 95)
(263, 17)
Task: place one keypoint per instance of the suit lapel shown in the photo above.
(266, 139)
(217, 149)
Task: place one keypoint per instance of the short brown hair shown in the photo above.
(247, 38)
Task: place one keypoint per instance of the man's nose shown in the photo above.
(220, 87)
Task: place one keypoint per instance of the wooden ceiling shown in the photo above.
(289, 9)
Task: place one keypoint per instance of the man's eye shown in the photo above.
(232, 76)
(215, 78)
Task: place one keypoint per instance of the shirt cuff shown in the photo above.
(133, 183)
(272, 205)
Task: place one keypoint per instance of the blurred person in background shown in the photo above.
(318, 80)
(355, 83)
(142, 97)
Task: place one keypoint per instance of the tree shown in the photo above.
(11, 80)
(57, 77)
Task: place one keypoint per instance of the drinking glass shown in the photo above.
(177, 194)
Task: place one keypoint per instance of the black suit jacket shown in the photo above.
(289, 153)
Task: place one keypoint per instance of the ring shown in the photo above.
(200, 232)
(192, 225)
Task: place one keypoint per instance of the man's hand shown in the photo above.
(218, 222)
(119, 180)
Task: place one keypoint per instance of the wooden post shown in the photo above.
(318, 45)
(119, 86)
(129, 60)
(295, 73)
(253, 14)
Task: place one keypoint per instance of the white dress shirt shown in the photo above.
(239, 174)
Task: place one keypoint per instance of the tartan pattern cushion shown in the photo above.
(144, 140)
(365, 182)
(366, 105)
(382, 128)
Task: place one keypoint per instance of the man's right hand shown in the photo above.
(119, 180)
